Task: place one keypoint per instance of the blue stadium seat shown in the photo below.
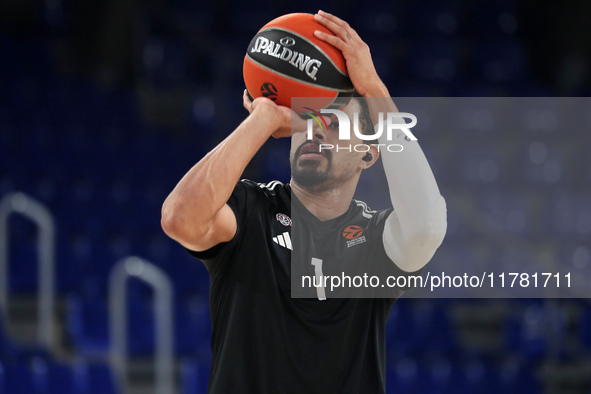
(100, 379)
(194, 377)
(532, 327)
(188, 274)
(402, 376)
(516, 377)
(13, 352)
(73, 257)
(64, 379)
(436, 375)
(59, 378)
(585, 327)
(18, 379)
(193, 329)
(87, 326)
(418, 326)
(141, 329)
(478, 376)
(9, 350)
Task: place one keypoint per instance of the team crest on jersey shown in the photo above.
(354, 235)
(283, 219)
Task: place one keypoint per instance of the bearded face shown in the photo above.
(311, 167)
(316, 167)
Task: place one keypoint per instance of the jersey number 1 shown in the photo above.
(317, 263)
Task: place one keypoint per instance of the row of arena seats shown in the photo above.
(31, 369)
(43, 377)
(88, 327)
(421, 352)
(408, 375)
(526, 329)
(431, 370)
(418, 360)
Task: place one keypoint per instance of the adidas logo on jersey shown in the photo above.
(283, 240)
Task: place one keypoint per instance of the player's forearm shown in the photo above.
(413, 188)
(420, 208)
(207, 186)
(410, 179)
(415, 230)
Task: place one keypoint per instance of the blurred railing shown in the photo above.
(135, 267)
(40, 215)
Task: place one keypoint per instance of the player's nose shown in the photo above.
(321, 129)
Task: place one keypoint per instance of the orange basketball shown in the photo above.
(286, 60)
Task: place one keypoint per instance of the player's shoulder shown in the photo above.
(272, 190)
(361, 209)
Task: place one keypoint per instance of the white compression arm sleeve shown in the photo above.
(416, 228)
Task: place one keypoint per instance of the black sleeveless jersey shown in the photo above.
(265, 341)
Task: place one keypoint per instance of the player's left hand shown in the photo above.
(360, 65)
(288, 121)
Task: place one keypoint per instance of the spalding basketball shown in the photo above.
(286, 60)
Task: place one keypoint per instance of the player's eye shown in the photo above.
(334, 125)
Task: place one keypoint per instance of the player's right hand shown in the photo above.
(285, 117)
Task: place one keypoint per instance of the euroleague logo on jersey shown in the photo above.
(352, 232)
(354, 235)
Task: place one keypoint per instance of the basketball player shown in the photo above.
(265, 341)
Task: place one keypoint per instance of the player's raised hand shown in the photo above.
(284, 117)
(356, 52)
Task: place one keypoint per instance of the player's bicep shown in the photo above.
(221, 228)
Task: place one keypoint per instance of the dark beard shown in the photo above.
(309, 176)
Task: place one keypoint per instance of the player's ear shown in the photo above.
(370, 157)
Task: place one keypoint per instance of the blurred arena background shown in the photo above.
(104, 105)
